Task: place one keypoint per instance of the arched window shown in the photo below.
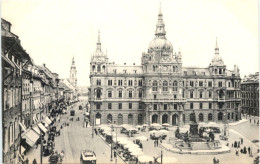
(140, 119)
(98, 68)
(104, 68)
(228, 116)
(120, 119)
(109, 118)
(155, 84)
(175, 86)
(192, 117)
(220, 116)
(183, 118)
(210, 117)
(165, 86)
(130, 119)
(200, 117)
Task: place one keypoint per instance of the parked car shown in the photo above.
(88, 157)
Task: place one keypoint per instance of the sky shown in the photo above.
(52, 32)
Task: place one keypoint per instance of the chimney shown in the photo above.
(124, 63)
(134, 64)
(44, 64)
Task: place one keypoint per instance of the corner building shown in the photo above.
(161, 90)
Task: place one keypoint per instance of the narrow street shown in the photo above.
(75, 138)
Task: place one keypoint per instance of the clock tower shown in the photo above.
(73, 74)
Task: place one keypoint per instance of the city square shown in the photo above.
(190, 97)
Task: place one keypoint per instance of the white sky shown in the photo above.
(53, 31)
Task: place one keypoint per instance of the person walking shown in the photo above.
(34, 161)
(250, 120)
(242, 140)
(249, 149)
(154, 142)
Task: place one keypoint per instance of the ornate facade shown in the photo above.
(161, 90)
(250, 94)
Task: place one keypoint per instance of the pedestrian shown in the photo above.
(154, 143)
(232, 145)
(254, 121)
(250, 120)
(237, 152)
(114, 154)
(245, 150)
(34, 161)
(241, 151)
(86, 124)
(238, 145)
(258, 122)
(235, 144)
(242, 140)
(27, 161)
(214, 160)
(248, 150)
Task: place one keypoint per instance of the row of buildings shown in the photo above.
(161, 90)
(29, 91)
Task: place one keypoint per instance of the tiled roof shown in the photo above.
(251, 78)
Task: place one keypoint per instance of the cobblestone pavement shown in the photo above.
(75, 138)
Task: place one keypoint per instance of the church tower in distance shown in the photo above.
(73, 74)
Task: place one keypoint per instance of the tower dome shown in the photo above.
(160, 42)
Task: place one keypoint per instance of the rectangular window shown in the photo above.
(130, 94)
(140, 83)
(201, 94)
(120, 82)
(109, 93)
(191, 83)
(175, 106)
(109, 106)
(119, 105)
(165, 106)
(210, 105)
(201, 83)
(130, 82)
(210, 83)
(191, 105)
(140, 94)
(98, 82)
(140, 106)
(228, 84)
(154, 106)
(210, 94)
(191, 94)
(154, 96)
(220, 84)
(130, 106)
(110, 82)
(120, 94)
(98, 106)
(175, 96)
(201, 105)
(124, 71)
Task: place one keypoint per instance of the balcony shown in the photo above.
(165, 100)
(221, 99)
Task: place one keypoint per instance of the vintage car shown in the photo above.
(88, 157)
(72, 113)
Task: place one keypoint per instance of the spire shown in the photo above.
(216, 48)
(98, 43)
(160, 31)
(73, 62)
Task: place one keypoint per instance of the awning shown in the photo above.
(22, 149)
(48, 120)
(31, 137)
(22, 126)
(40, 125)
(37, 130)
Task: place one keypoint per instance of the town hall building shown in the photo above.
(161, 90)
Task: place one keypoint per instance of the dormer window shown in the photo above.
(135, 71)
